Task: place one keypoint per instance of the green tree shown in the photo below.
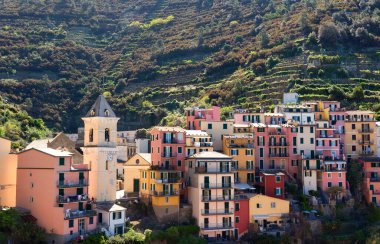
(263, 39)
(358, 94)
(328, 34)
(354, 177)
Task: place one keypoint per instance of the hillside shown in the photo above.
(152, 57)
(18, 126)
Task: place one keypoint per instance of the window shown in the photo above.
(92, 113)
(31, 199)
(180, 136)
(248, 152)
(294, 150)
(328, 175)
(179, 149)
(301, 129)
(237, 206)
(278, 178)
(329, 184)
(311, 140)
(261, 152)
(107, 165)
(179, 163)
(273, 205)
(234, 152)
(354, 148)
(116, 215)
(91, 221)
(353, 137)
(166, 199)
(224, 126)
(301, 140)
(60, 205)
(294, 141)
(152, 187)
(71, 223)
(340, 184)
(106, 113)
(311, 129)
(237, 219)
(258, 205)
(107, 135)
(137, 161)
(278, 191)
(209, 126)
(166, 210)
(61, 161)
(339, 175)
(353, 126)
(91, 135)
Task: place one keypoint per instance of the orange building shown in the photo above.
(8, 166)
(55, 191)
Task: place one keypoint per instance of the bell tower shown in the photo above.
(100, 151)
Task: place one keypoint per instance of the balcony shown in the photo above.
(282, 133)
(375, 192)
(74, 214)
(217, 198)
(367, 142)
(169, 155)
(216, 226)
(279, 144)
(217, 185)
(374, 179)
(334, 169)
(338, 132)
(312, 168)
(365, 131)
(169, 141)
(69, 199)
(353, 119)
(278, 155)
(247, 145)
(327, 136)
(217, 211)
(167, 180)
(164, 193)
(366, 153)
(202, 144)
(227, 169)
(69, 184)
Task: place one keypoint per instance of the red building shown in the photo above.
(241, 214)
(195, 116)
(271, 183)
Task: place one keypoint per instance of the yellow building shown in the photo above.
(8, 170)
(217, 129)
(360, 134)
(132, 168)
(266, 211)
(241, 149)
(197, 141)
(160, 188)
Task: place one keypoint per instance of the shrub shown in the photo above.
(234, 23)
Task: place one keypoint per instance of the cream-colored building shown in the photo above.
(132, 169)
(8, 171)
(217, 129)
(197, 141)
(210, 177)
(100, 151)
(360, 134)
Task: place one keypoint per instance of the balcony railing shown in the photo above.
(338, 132)
(277, 133)
(361, 142)
(167, 180)
(278, 155)
(217, 185)
(164, 193)
(246, 145)
(169, 141)
(334, 169)
(279, 144)
(217, 211)
(73, 214)
(216, 226)
(74, 184)
(69, 199)
(366, 154)
(366, 130)
(217, 198)
(227, 169)
(163, 167)
(203, 144)
(169, 155)
(348, 119)
(374, 179)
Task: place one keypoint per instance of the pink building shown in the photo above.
(55, 191)
(246, 117)
(327, 141)
(195, 116)
(333, 174)
(371, 179)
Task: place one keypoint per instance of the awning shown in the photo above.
(243, 186)
(260, 216)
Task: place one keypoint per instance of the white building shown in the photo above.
(111, 218)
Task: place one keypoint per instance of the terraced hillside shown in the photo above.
(153, 57)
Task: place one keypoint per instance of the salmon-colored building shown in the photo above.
(371, 179)
(8, 171)
(333, 174)
(196, 116)
(55, 191)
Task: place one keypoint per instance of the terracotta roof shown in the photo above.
(50, 151)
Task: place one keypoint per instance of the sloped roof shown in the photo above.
(100, 107)
(109, 207)
(210, 155)
(50, 151)
(42, 143)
